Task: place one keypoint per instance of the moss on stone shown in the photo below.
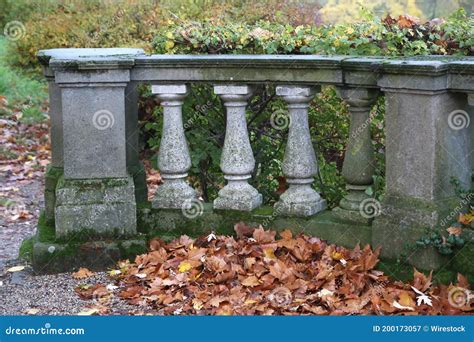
(130, 249)
(403, 271)
(46, 231)
(26, 248)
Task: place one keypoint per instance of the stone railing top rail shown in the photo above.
(301, 69)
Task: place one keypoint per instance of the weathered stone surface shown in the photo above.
(173, 158)
(237, 161)
(402, 222)
(299, 163)
(94, 132)
(56, 119)
(95, 208)
(423, 153)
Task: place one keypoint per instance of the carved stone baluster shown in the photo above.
(359, 164)
(237, 161)
(299, 163)
(173, 158)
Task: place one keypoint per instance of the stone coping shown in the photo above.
(44, 56)
(304, 69)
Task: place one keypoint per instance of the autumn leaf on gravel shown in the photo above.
(32, 311)
(91, 291)
(16, 269)
(82, 273)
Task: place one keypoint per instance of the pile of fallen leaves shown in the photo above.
(257, 274)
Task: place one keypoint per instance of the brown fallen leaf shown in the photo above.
(82, 273)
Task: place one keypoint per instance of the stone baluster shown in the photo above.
(299, 163)
(359, 164)
(173, 158)
(237, 161)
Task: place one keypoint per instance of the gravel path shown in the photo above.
(28, 195)
(23, 293)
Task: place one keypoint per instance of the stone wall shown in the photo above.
(96, 191)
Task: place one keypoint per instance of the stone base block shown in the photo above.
(238, 196)
(50, 257)
(402, 222)
(300, 201)
(93, 208)
(355, 196)
(174, 194)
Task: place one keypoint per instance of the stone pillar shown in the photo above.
(173, 158)
(424, 152)
(237, 161)
(299, 164)
(359, 164)
(55, 169)
(97, 195)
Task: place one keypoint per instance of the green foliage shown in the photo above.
(445, 246)
(373, 36)
(20, 95)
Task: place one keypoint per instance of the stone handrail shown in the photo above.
(96, 179)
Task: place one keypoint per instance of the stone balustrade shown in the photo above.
(96, 182)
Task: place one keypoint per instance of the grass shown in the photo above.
(25, 94)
